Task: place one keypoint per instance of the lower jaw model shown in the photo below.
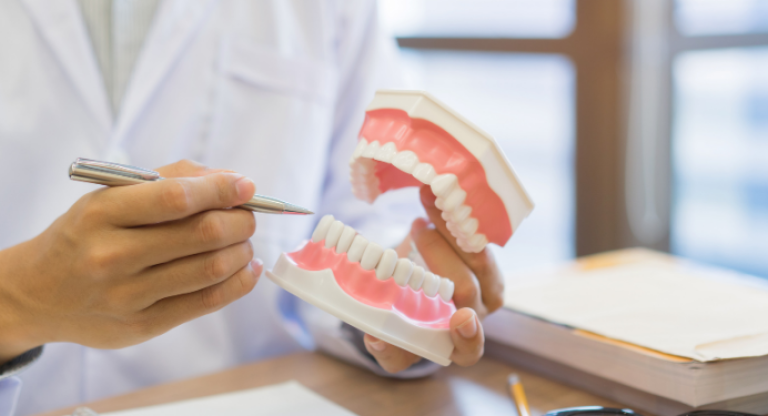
(408, 139)
(369, 288)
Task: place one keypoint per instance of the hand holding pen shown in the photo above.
(127, 263)
(116, 174)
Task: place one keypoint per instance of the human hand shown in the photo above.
(128, 263)
(478, 291)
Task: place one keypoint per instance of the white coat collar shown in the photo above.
(175, 24)
(62, 27)
(60, 24)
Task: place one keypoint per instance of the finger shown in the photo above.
(186, 169)
(171, 312)
(200, 233)
(468, 338)
(172, 199)
(188, 274)
(443, 260)
(391, 358)
(482, 264)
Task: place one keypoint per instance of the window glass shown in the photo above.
(720, 155)
(719, 17)
(527, 103)
(490, 18)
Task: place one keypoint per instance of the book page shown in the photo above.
(285, 399)
(660, 305)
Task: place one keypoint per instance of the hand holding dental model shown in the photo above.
(126, 264)
(472, 197)
(478, 291)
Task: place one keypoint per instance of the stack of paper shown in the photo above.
(693, 335)
(286, 399)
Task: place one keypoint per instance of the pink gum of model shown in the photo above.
(408, 139)
(363, 286)
(437, 147)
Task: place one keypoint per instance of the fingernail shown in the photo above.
(245, 188)
(257, 266)
(418, 225)
(469, 328)
(377, 345)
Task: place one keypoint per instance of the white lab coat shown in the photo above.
(274, 89)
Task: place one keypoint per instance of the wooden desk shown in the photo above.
(477, 390)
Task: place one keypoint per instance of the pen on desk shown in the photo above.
(115, 174)
(517, 394)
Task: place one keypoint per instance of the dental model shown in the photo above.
(410, 139)
(368, 287)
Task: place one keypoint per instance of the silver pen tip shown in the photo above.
(296, 210)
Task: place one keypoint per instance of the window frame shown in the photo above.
(622, 53)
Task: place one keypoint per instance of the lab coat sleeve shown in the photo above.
(10, 386)
(367, 62)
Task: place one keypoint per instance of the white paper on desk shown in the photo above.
(658, 305)
(286, 399)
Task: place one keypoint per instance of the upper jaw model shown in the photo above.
(410, 139)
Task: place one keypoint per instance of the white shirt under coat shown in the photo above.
(274, 89)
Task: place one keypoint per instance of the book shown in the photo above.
(649, 324)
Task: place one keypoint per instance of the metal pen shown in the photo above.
(116, 174)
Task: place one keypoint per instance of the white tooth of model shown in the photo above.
(460, 213)
(386, 153)
(371, 149)
(386, 265)
(416, 277)
(358, 178)
(440, 204)
(477, 243)
(361, 145)
(362, 168)
(431, 284)
(424, 172)
(463, 244)
(334, 232)
(446, 289)
(469, 226)
(322, 228)
(403, 270)
(406, 161)
(443, 184)
(455, 199)
(371, 256)
(357, 248)
(345, 240)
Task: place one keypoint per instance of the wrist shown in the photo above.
(13, 338)
(15, 333)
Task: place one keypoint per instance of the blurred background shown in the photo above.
(631, 123)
